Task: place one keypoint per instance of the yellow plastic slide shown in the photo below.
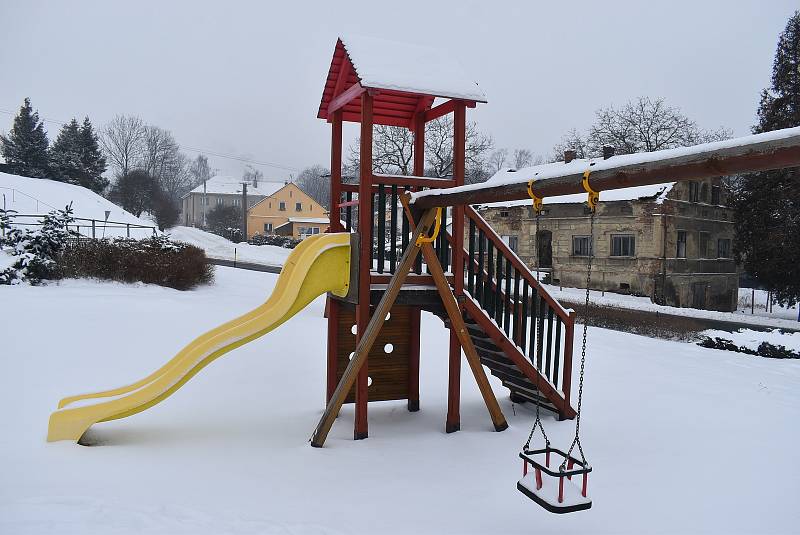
(319, 264)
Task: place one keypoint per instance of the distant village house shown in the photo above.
(671, 242)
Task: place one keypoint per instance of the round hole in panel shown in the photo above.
(352, 354)
(388, 348)
(388, 315)
(369, 381)
(354, 329)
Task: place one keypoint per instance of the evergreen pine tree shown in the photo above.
(93, 163)
(75, 156)
(65, 154)
(25, 147)
(767, 204)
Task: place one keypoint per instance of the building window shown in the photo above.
(716, 195)
(702, 244)
(626, 209)
(511, 241)
(282, 206)
(704, 193)
(219, 201)
(694, 192)
(581, 245)
(503, 213)
(681, 252)
(623, 245)
(724, 248)
(237, 201)
(267, 227)
(298, 207)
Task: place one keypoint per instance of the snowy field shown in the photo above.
(780, 318)
(220, 248)
(682, 439)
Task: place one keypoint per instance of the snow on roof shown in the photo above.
(222, 184)
(383, 64)
(320, 220)
(655, 192)
(623, 160)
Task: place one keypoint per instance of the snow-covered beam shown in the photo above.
(771, 150)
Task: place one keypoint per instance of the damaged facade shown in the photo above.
(671, 242)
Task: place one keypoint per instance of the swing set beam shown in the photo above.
(761, 152)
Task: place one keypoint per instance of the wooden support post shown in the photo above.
(413, 359)
(370, 333)
(336, 172)
(453, 422)
(333, 347)
(365, 223)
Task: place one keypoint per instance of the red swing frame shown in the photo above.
(583, 469)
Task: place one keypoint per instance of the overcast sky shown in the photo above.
(245, 78)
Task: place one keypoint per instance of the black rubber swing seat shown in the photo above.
(556, 493)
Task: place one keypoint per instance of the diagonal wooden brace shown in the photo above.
(371, 332)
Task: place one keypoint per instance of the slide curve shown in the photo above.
(319, 264)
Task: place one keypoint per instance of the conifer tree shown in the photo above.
(75, 156)
(25, 147)
(767, 204)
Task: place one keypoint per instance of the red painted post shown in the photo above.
(333, 343)
(413, 359)
(560, 489)
(539, 479)
(336, 172)
(454, 372)
(566, 382)
(524, 467)
(365, 223)
(585, 483)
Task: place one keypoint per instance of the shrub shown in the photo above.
(155, 260)
(35, 250)
(286, 242)
(765, 349)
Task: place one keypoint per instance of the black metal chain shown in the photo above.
(538, 421)
(577, 440)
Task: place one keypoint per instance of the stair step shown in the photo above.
(543, 403)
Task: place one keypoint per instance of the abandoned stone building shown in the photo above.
(671, 242)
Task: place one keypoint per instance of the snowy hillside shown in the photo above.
(682, 439)
(38, 196)
(220, 248)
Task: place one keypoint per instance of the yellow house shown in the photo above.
(289, 212)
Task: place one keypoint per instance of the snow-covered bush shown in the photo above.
(765, 349)
(35, 250)
(287, 242)
(156, 260)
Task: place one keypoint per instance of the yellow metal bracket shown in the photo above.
(537, 201)
(430, 239)
(594, 196)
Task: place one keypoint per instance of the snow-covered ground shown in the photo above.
(752, 339)
(224, 249)
(748, 297)
(36, 196)
(682, 439)
(781, 318)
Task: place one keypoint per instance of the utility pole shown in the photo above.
(205, 202)
(244, 211)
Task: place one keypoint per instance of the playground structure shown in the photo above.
(382, 266)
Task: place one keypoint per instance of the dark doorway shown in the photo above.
(699, 295)
(545, 256)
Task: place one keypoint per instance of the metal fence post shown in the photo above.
(94, 235)
(128, 229)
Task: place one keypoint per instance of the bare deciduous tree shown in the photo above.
(122, 140)
(643, 125)
(572, 140)
(497, 160)
(199, 170)
(316, 181)
(522, 158)
(252, 176)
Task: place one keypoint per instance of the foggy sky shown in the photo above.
(245, 78)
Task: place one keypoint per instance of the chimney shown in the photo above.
(569, 155)
(285, 182)
(608, 151)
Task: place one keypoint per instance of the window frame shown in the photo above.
(679, 242)
(625, 237)
(728, 252)
(589, 248)
(282, 206)
(298, 207)
(703, 238)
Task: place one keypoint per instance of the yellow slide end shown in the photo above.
(319, 264)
